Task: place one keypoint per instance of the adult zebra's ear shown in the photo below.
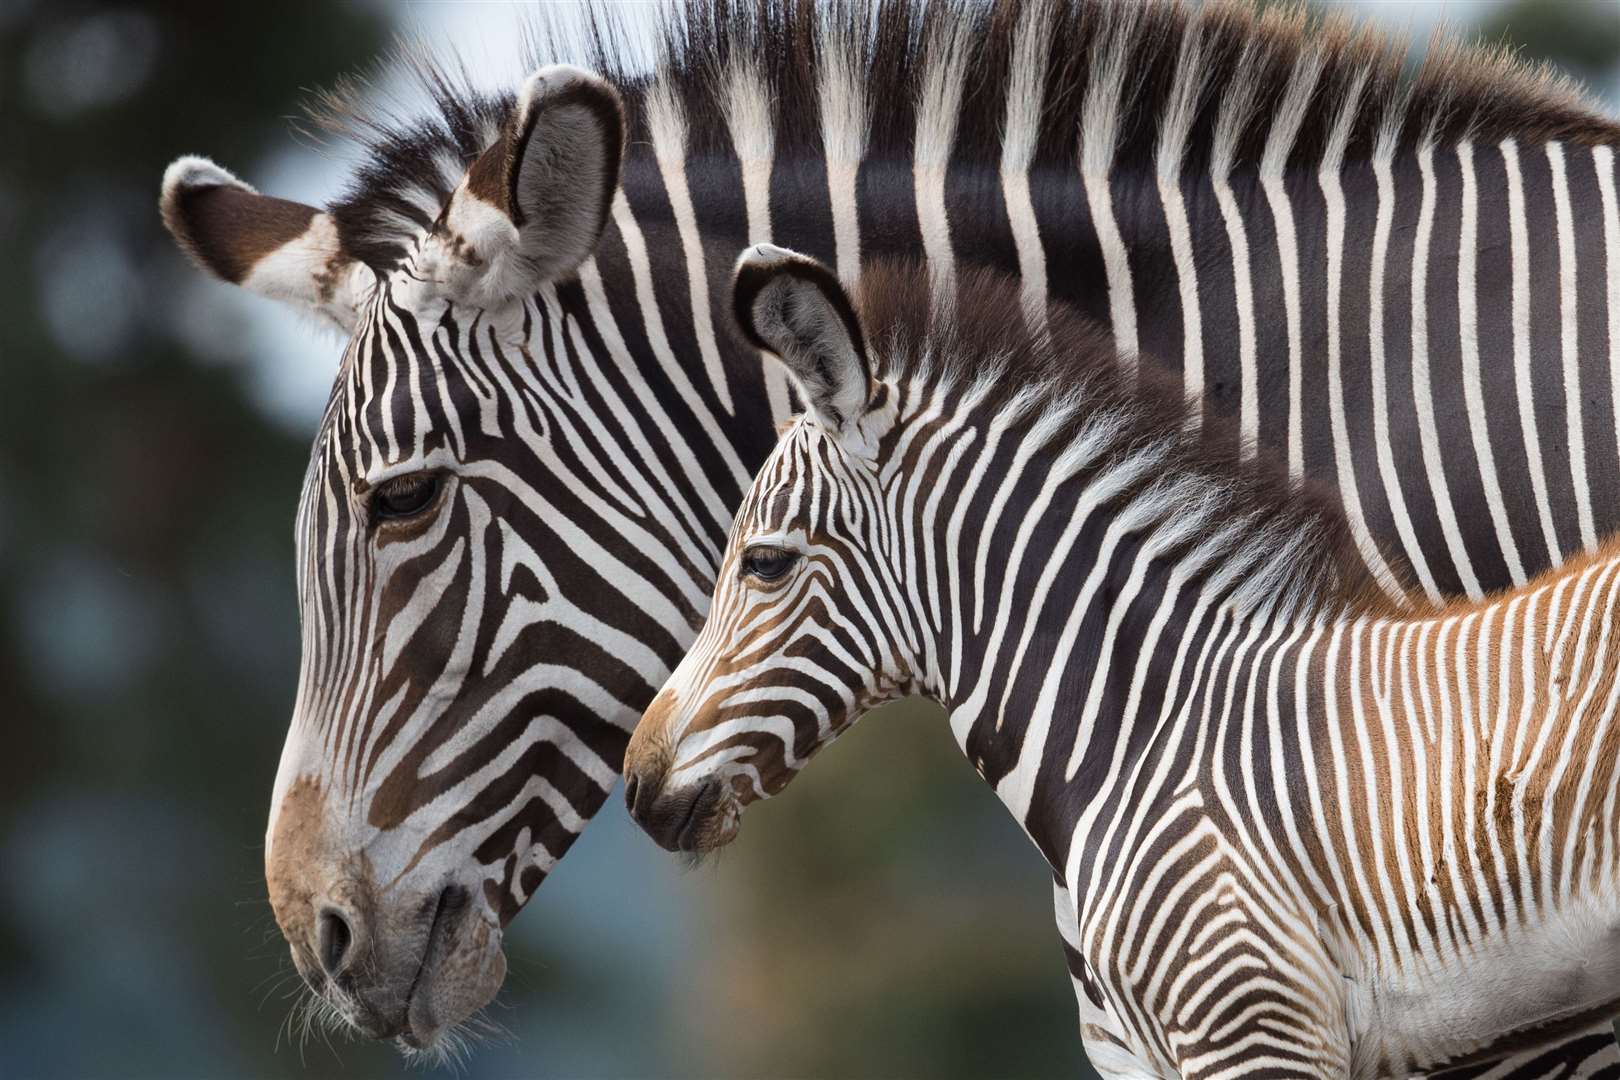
(280, 249)
(533, 205)
(793, 306)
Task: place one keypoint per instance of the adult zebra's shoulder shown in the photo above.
(517, 501)
(1292, 830)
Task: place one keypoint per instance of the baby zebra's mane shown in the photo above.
(1290, 547)
(1112, 84)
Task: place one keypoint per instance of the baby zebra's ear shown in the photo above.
(276, 248)
(531, 208)
(792, 306)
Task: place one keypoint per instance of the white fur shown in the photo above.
(1100, 118)
(1236, 113)
(1382, 171)
(1025, 100)
(1565, 962)
(494, 274)
(1423, 394)
(1174, 132)
(845, 125)
(1285, 124)
(1104, 108)
(1519, 239)
(1603, 162)
(289, 273)
(666, 122)
(1473, 383)
(1569, 338)
(1328, 178)
(746, 105)
(193, 171)
(938, 106)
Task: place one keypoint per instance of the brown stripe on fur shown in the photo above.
(1510, 798)
(486, 177)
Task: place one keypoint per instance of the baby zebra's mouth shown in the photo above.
(693, 819)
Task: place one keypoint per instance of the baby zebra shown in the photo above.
(1293, 833)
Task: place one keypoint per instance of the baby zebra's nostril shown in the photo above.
(333, 939)
(641, 792)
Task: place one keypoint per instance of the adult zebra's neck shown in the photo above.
(1174, 171)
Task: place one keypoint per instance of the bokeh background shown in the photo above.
(887, 919)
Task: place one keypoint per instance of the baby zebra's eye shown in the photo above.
(404, 496)
(768, 563)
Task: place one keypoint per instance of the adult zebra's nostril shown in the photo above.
(334, 938)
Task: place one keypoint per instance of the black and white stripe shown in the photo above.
(1218, 174)
(1294, 832)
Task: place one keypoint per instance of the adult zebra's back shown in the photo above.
(521, 488)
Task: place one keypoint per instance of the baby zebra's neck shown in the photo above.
(1111, 615)
(1069, 547)
(1173, 690)
(1139, 648)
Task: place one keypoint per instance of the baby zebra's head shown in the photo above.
(952, 469)
(807, 628)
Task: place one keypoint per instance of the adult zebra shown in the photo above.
(1294, 833)
(522, 485)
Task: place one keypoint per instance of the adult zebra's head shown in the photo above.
(439, 759)
(803, 633)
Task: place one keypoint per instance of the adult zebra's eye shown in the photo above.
(768, 563)
(404, 496)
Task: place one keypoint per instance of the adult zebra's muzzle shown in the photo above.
(407, 959)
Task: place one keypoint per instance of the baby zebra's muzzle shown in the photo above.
(690, 817)
(685, 819)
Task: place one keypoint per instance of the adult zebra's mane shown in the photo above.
(1287, 546)
(1108, 84)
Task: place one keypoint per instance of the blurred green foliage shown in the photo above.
(148, 644)
(892, 919)
(1580, 36)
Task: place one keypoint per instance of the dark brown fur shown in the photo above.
(227, 230)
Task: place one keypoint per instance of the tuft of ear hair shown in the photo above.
(277, 248)
(793, 307)
(532, 207)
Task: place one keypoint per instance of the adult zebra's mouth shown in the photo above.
(421, 1025)
(407, 961)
